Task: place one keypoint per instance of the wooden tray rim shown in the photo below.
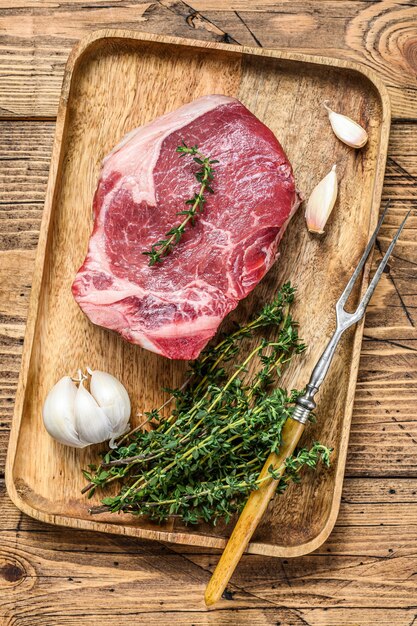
(188, 538)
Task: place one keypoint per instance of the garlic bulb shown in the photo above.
(77, 417)
(321, 202)
(346, 129)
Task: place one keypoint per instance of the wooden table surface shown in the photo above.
(366, 572)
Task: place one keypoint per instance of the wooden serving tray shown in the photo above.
(115, 81)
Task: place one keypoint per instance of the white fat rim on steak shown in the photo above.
(142, 146)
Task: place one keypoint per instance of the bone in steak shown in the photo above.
(175, 307)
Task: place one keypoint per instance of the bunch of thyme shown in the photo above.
(202, 461)
(195, 205)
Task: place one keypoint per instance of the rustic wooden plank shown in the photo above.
(358, 617)
(25, 151)
(360, 566)
(24, 164)
(380, 35)
(39, 36)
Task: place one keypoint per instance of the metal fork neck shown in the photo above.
(305, 404)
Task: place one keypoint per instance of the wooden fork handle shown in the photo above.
(252, 513)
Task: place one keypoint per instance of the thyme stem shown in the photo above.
(204, 176)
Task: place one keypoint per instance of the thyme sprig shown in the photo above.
(201, 461)
(225, 496)
(204, 176)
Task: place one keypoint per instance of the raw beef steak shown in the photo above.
(175, 307)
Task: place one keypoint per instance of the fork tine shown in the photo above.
(371, 287)
(346, 292)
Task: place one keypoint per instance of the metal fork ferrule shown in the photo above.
(305, 404)
(301, 414)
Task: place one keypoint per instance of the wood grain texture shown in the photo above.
(382, 35)
(374, 521)
(36, 38)
(350, 577)
(297, 86)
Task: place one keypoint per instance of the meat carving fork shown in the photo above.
(294, 426)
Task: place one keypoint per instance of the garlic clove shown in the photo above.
(91, 422)
(113, 398)
(58, 413)
(321, 202)
(346, 129)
